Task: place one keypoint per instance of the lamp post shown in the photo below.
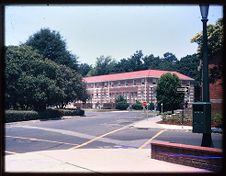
(206, 138)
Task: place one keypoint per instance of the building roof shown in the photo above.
(132, 75)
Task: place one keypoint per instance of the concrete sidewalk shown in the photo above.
(92, 161)
(152, 123)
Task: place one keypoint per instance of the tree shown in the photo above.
(36, 83)
(151, 62)
(215, 48)
(123, 66)
(167, 92)
(71, 84)
(168, 62)
(121, 103)
(170, 57)
(135, 61)
(104, 65)
(30, 79)
(188, 65)
(51, 45)
(84, 69)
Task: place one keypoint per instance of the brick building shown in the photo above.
(216, 88)
(137, 85)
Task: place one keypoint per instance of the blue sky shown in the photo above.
(116, 31)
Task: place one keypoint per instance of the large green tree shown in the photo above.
(215, 48)
(51, 45)
(30, 79)
(35, 82)
(167, 92)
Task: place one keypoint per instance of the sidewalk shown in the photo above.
(92, 161)
(152, 123)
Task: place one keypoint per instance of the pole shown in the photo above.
(205, 64)
(206, 138)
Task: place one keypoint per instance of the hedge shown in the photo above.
(121, 105)
(50, 114)
(18, 115)
(72, 112)
(137, 106)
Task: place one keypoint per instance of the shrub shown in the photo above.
(137, 105)
(151, 106)
(217, 119)
(16, 115)
(72, 112)
(50, 114)
(122, 105)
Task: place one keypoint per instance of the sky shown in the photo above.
(117, 31)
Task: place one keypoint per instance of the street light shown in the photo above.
(206, 138)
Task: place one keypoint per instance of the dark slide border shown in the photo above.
(4, 3)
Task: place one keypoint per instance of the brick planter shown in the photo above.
(189, 155)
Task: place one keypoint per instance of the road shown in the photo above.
(95, 130)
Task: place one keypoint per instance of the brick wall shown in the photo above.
(216, 96)
(195, 156)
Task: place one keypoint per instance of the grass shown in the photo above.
(176, 119)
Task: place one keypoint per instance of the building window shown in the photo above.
(134, 82)
(142, 81)
(112, 84)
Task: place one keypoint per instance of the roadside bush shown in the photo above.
(16, 115)
(72, 112)
(151, 106)
(121, 105)
(50, 114)
(217, 119)
(137, 106)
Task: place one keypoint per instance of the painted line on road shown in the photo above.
(99, 137)
(43, 140)
(149, 140)
(9, 152)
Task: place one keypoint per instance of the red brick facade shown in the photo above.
(138, 85)
(190, 155)
(216, 96)
(216, 89)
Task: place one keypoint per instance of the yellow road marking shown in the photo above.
(149, 141)
(11, 152)
(98, 137)
(38, 139)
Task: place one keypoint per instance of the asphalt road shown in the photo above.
(96, 130)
